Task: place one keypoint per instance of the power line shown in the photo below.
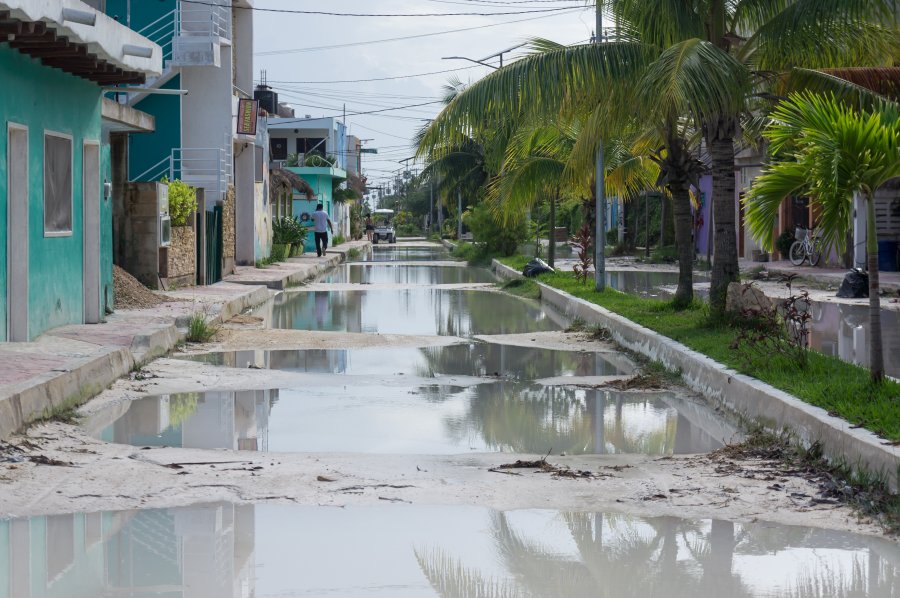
(406, 37)
(327, 13)
(464, 68)
(300, 120)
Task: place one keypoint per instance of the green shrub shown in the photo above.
(498, 237)
(784, 242)
(612, 236)
(182, 201)
(338, 240)
(288, 230)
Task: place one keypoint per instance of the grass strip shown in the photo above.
(841, 388)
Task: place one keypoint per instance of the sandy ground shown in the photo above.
(90, 475)
(59, 467)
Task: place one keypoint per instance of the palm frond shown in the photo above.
(696, 78)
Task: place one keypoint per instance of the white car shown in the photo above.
(384, 227)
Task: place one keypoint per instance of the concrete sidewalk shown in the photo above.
(889, 281)
(69, 365)
(295, 270)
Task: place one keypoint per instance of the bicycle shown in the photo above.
(808, 246)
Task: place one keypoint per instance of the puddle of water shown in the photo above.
(386, 253)
(357, 416)
(473, 359)
(419, 275)
(646, 284)
(842, 331)
(414, 311)
(274, 551)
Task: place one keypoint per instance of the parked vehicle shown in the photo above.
(384, 226)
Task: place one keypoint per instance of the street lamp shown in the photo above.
(484, 60)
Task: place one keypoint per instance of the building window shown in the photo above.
(57, 185)
(278, 146)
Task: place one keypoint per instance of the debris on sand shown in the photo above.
(542, 466)
(45, 460)
(639, 382)
(131, 294)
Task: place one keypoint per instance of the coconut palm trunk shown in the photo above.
(551, 249)
(876, 348)
(678, 184)
(720, 136)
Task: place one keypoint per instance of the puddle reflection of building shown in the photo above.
(210, 420)
(194, 552)
(841, 330)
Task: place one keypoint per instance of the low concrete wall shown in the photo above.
(737, 393)
(180, 257)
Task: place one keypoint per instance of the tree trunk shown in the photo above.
(551, 250)
(681, 207)
(720, 141)
(676, 165)
(663, 216)
(876, 355)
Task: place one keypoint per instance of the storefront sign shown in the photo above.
(246, 117)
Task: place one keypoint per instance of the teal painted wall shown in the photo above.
(50, 99)
(146, 149)
(143, 12)
(321, 184)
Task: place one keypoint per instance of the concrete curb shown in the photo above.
(737, 393)
(40, 397)
(333, 257)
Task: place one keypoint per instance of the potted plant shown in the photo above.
(297, 236)
(281, 238)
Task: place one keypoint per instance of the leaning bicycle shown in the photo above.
(808, 246)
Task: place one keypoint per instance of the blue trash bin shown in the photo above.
(887, 256)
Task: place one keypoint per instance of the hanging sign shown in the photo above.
(246, 117)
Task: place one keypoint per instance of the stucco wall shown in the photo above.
(49, 99)
(147, 149)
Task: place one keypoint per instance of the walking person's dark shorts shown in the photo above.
(321, 243)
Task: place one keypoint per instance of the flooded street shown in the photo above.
(220, 550)
(358, 436)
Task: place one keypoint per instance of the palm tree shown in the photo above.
(761, 36)
(831, 152)
(607, 83)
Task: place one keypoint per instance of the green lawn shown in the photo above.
(841, 388)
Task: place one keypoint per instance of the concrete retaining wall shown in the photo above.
(737, 393)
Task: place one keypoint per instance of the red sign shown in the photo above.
(246, 117)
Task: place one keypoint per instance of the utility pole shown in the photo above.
(600, 208)
(459, 214)
(430, 204)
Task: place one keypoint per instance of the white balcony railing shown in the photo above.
(207, 168)
(210, 19)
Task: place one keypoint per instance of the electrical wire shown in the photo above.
(327, 13)
(407, 37)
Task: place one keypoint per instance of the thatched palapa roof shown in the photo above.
(284, 180)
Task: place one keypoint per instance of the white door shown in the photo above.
(17, 250)
(90, 177)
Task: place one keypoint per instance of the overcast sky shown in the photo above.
(282, 43)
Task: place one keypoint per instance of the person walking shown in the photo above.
(370, 227)
(321, 225)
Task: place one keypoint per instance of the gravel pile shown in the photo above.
(131, 294)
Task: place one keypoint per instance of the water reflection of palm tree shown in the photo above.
(616, 557)
(535, 419)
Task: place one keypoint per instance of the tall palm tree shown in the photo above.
(608, 82)
(830, 151)
(761, 35)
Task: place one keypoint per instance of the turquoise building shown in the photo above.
(323, 181)
(55, 209)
